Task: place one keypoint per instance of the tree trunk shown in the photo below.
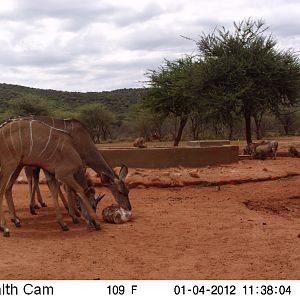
(257, 128)
(180, 130)
(104, 132)
(195, 128)
(195, 132)
(230, 133)
(257, 121)
(247, 117)
(286, 129)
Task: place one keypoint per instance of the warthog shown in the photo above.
(294, 152)
(251, 147)
(139, 143)
(266, 150)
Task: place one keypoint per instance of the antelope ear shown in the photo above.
(123, 172)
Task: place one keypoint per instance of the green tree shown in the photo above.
(173, 91)
(98, 120)
(246, 73)
(287, 118)
(145, 121)
(28, 105)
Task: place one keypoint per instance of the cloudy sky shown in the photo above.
(96, 45)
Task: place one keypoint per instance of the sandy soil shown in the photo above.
(231, 231)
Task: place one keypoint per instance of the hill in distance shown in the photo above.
(117, 101)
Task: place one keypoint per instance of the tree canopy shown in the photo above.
(98, 120)
(173, 90)
(245, 72)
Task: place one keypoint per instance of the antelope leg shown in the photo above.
(9, 198)
(53, 187)
(70, 181)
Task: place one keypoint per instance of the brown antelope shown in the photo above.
(91, 156)
(32, 174)
(30, 142)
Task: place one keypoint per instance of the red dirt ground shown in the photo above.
(241, 231)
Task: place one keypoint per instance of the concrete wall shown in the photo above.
(171, 157)
(208, 143)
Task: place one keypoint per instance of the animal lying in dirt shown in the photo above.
(116, 214)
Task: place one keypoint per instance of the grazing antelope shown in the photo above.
(91, 157)
(74, 201)
(33, 174)
(33, 143)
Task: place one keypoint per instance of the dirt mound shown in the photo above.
(287, 207)
(242, 172)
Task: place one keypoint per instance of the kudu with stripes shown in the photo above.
(34, 143)
(91, 156)
(72, 205)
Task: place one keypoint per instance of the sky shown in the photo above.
(97, 45)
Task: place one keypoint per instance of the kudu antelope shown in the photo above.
(91, 156)
(34, 143)
(33, 176)
(74, 202)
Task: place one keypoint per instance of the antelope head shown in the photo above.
(118, 187)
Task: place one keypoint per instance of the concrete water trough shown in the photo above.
(208, 143)
(166, 157)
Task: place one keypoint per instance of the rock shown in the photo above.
(194, 174)
(136, 172)
(140, 186)
(176, 175)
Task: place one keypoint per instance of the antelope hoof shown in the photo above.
(64, 227)
(96, 225)
(32, 211)
(44, 204)
(36, 206)
(75, 221)
(6, 233)
(16, 222)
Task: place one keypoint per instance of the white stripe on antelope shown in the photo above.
(64, 163)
